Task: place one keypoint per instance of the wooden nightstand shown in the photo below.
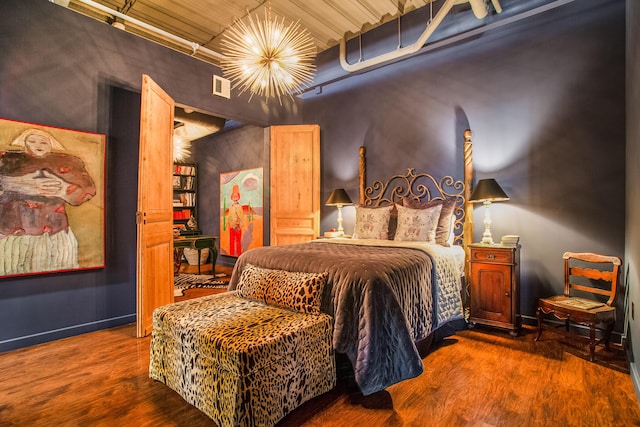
(495, 286)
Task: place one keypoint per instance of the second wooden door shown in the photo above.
(295, 184)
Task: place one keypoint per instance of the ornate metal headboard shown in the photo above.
(423, 186)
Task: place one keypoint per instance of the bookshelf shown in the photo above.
(185, 196)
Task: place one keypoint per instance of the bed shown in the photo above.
(388, 295)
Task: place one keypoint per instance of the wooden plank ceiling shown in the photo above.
(205, 21)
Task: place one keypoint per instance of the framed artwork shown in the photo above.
(241, 211)
(52, 196)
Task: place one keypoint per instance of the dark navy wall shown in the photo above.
(545, 99)
(59, 68)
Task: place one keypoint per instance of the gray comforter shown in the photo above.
(381, 298)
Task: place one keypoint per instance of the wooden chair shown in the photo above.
(589, 279)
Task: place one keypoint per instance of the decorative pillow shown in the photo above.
(409, 202)
(253, 283)
(443, 231)
(372, 223)
(418, 224)
(295, 290)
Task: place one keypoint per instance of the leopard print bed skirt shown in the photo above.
(240, 361)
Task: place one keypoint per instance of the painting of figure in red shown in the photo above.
(241, 211)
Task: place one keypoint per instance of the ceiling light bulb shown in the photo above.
(181, 146)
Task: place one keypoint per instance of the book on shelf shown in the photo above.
(182, 214)
(188, 183)
(184, 170)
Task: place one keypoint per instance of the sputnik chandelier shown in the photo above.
(181, 144)
(268, 58)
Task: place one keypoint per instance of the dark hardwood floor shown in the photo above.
(479, 377)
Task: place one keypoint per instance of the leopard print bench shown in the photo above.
(240, 361)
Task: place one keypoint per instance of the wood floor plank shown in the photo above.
(474, 378)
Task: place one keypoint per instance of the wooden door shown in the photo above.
(154, 269)
(295, 184)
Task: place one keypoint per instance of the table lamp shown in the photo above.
(339, 198)
(487, 191)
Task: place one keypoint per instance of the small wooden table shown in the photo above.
(495, 286)
(194, 242)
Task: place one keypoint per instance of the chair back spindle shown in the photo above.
(591, 275)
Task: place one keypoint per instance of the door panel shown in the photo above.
(491, 292)
(154, 269)
(295, 184)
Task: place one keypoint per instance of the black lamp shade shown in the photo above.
(338, 197)
(488, 190)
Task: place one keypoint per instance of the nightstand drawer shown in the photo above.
(491, 255)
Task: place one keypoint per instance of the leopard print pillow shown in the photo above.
(253, 282)
(295, 290)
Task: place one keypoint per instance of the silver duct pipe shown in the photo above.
(195, 47)
(477, 6)
(460, 37)
(207, 121)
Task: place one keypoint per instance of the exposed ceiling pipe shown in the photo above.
(477, 6)
(195, 47)
(496, 5)
(207, 121)
(461, 37)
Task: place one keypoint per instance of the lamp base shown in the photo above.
(486, 236)
(340, 229)
(487, 241)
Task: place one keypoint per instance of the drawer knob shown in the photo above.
(491, 256)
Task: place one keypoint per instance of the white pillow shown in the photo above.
(418, 225)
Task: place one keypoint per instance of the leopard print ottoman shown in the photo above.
(241, 361)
